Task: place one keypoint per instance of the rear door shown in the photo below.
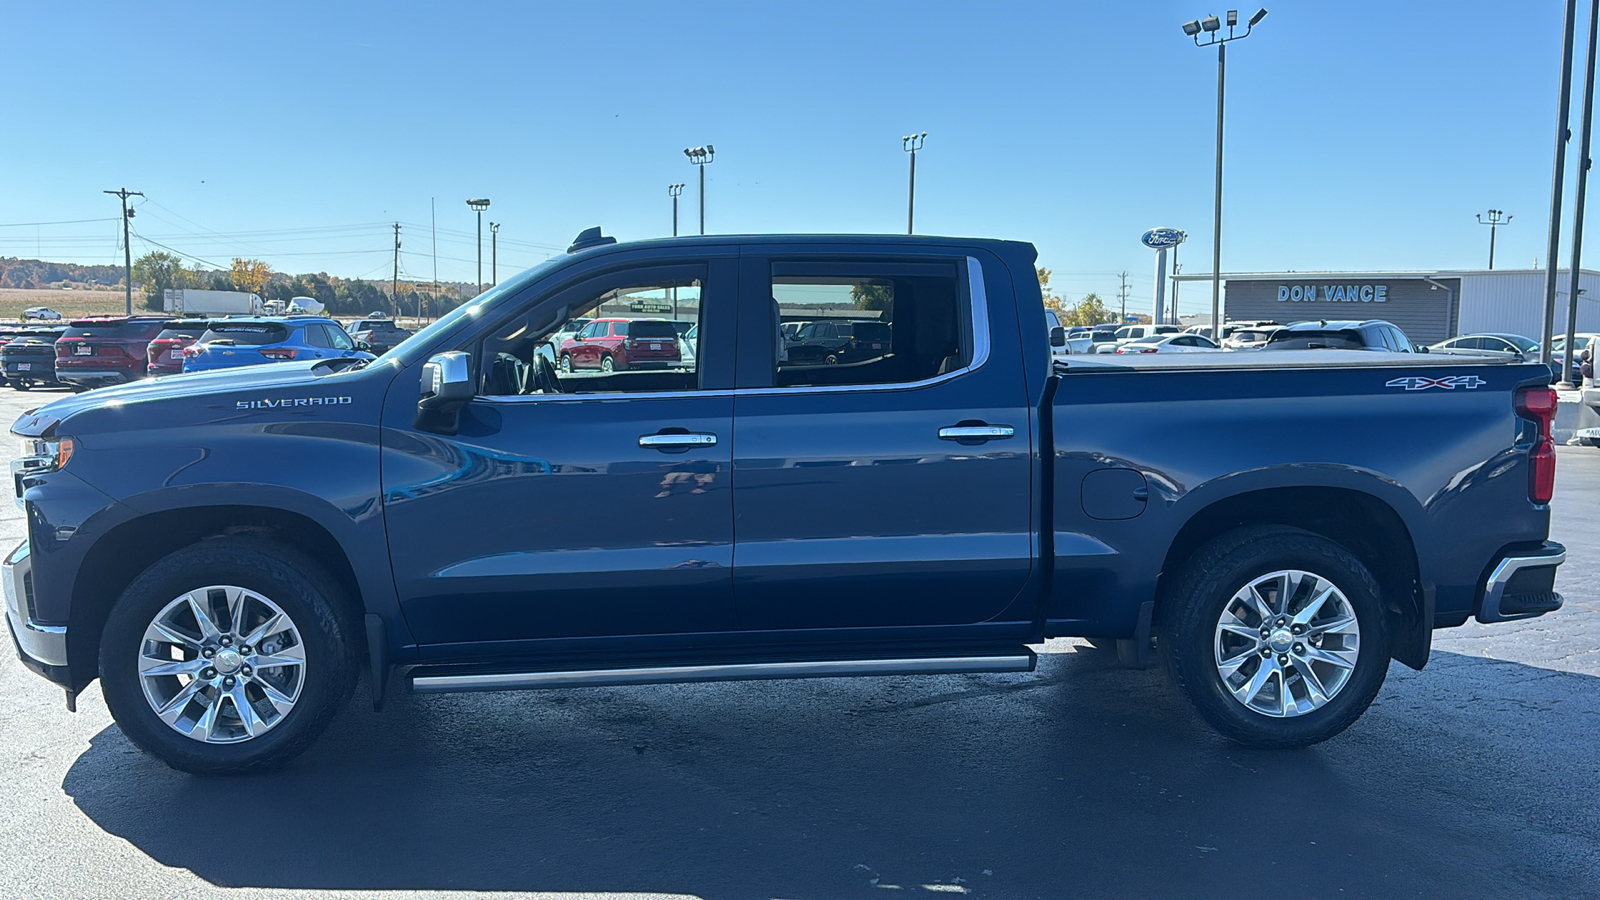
(892, 489)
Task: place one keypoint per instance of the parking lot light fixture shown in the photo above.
(478, 206)
(700, 157)
(1212, 28)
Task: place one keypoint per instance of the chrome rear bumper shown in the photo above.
(1521, 587)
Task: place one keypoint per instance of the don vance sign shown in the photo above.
(1335, 293)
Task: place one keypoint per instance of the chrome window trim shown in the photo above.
(978, 306)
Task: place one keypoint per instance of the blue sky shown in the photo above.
(1361, 134)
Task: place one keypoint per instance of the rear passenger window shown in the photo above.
(316, 337)
(865, 324)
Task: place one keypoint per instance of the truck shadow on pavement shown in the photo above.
(1471, 778)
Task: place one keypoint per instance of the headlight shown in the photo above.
(40, 455)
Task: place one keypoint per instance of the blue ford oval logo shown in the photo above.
(1161, 238)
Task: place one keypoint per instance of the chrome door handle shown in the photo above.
(976, 432)
(676, 441)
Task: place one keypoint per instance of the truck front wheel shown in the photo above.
(1277, 635)
(227, 656)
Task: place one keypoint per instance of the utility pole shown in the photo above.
(1563, 134)
(1494, 223)
(494, 253)
(1122, 295)
(1573, 292)
(394, 286)
(674, 191)
(127, 249)
(911, 143)
(700, 157)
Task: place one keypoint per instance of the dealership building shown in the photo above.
(1429, 306)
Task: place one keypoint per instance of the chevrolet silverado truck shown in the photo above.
(229, 552)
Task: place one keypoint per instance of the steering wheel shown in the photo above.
(544, 376)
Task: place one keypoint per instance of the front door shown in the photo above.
(571, 504)
(888, 487)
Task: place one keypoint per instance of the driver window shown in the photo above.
(634, 338)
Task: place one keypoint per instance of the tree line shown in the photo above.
(156, 272)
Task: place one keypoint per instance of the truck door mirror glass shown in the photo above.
(1058, 336)
(446, 388)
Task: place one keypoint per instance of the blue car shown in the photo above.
(252, 340)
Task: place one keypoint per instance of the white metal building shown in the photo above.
(1428, 305)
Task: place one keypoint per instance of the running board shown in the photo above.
(517, 681)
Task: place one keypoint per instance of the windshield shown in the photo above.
(253, 335)
(1316, 340)
(112, 330)
(1526, 345)
(410, 351)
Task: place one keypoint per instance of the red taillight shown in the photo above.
(192, 351)
(278, 352)
(1539, 405)
(1148, 350)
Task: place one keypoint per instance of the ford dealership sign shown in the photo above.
(1162, 238)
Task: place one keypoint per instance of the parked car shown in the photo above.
(1229, 328)
(1249, 337)
(789, 329)
(616, 345)
(103, 351)
(1481, 344)
(380, 335)
(564, 334)
(1170, 343)
(254, 340)
(165, 353)
(10, 332)
(28, 357)
(1088, 340)
(1373, 334)
(1130, 333)
(687, 344)
(232, 557)
(834, 341)
(1558, 353)
(41, 314)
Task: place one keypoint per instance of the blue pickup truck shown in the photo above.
(229, 552)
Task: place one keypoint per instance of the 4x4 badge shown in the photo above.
(1448, 382)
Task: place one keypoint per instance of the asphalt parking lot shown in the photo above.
(1477, 777)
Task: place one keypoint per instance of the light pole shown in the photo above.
(494, 253)
(1213, 31)
(674, 191)
(911, 143)
(700, 157)
(479, 206)
(1494, 224)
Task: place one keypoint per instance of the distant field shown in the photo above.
(71, 304)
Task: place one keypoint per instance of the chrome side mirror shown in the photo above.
(446, 388)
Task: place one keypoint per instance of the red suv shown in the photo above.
(165, 353)
(612, 345)
(97, 352)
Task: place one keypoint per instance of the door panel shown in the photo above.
(546, 518)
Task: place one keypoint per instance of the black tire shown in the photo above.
(21, 385)
(1202, 587)
(566, 363)
(607, 364)
(300, 587)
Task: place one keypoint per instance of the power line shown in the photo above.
(63, 222)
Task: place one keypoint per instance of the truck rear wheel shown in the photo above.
(1277, 635)
(227, 656)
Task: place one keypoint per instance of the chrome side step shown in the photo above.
(514, 681)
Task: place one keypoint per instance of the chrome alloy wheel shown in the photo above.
(222, 664)
(1287, 643)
